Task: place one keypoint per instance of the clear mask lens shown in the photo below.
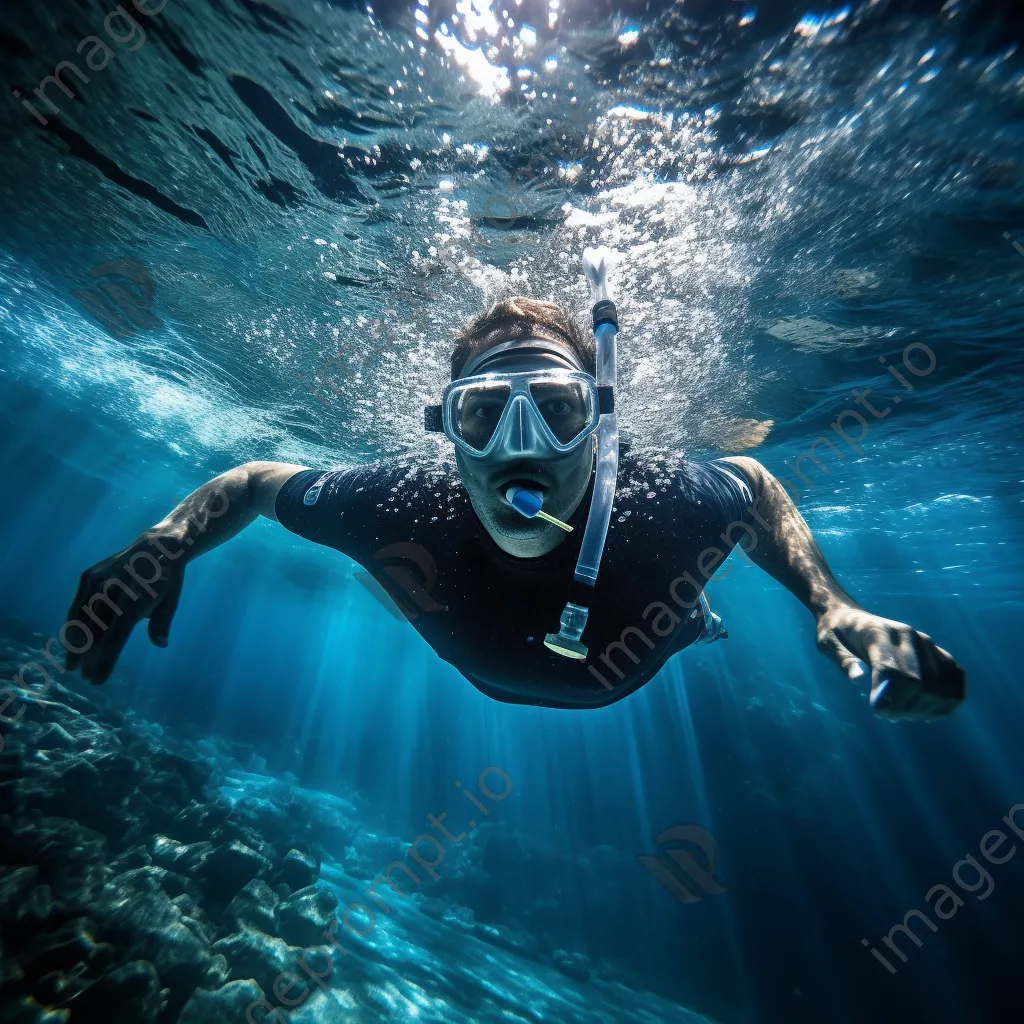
(476, 412)
(567, 408)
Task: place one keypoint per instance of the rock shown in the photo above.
(506, 938)
(457, 917)
(130, 994)
(574, 965)
(72, 699)
(298, 871)
(71, 945)
(80, 778)
(119, 774)
(183, 858)
(77, 792)
(252, 954)
(15, 887)
(460, 917)
(252, 907)
(54, 737)
(133, 857)
(170, 883)
(230, 867)
(196, 774)
(38, 906)
(303, 917)
(233, 830)
(25, 1010)
(69, 858)
(186, 903)
(433, 907)
(139, 916)
(10, 969)
(228, 1004)
(198, 821)
(217, 973)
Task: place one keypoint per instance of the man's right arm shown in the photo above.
(145, 579)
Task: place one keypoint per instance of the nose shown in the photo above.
(522, 433)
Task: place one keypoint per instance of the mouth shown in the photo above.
(520, 478)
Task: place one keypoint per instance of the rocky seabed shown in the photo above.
(151, 880)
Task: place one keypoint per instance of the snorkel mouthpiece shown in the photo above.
(530, 504)
(595, 269)
(566, 641)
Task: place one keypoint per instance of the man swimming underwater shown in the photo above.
(530, 410)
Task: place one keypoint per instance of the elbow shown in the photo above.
(253, 475)
(752, 471)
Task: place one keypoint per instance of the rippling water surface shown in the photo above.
(251, 234)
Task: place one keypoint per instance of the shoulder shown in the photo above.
(690, 475)
(724, 487)
(355, 493)
(382, 476)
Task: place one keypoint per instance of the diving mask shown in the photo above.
(529, 414)
(522, 398)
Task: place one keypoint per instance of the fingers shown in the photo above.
(108, 603)
(911, 677)
(830, 646)
(99, 661)
(160, 620)
(941, 675)
(905, 699)
(936, 691)
(891, 651)
(107, 614)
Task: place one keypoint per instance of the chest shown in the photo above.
(489, 618)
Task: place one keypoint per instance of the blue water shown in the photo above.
(796, 197)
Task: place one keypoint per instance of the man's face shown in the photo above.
(562, 482)
(561, 478)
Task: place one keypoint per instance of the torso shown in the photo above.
(486, 612)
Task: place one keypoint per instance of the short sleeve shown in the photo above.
(326, 508)
(733, 489)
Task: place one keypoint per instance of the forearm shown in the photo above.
(785, 547)
(910, 676)
(211, 514)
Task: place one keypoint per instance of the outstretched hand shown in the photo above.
(911, 677)
(141, 582)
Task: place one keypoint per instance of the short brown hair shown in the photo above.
(521, 317)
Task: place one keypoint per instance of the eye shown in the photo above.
(486, 411)
(558, 407)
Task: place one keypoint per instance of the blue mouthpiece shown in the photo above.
(528, 503)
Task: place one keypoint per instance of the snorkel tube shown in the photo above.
(606, 325)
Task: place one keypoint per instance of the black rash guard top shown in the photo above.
(486, 612)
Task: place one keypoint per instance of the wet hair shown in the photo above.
(521, 317)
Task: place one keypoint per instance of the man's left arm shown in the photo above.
(911, 677)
